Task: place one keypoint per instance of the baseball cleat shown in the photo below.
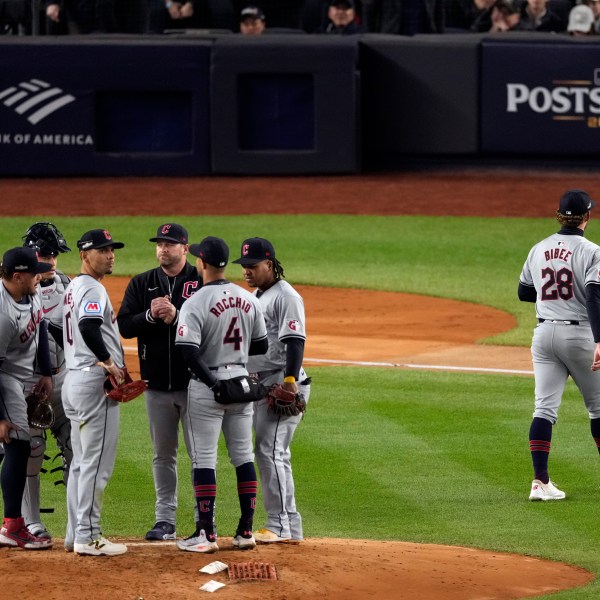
(199, 542)
(244, 540)
(162, 531)
(99, 547)
(266, 536)
(39, 530)
(14, 533)
(545, 491)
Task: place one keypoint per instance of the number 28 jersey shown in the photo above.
(221, 319)
(559, 268)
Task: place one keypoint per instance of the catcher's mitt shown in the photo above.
(40, 413)
(284, 403)
(239, 389)
(125, 391)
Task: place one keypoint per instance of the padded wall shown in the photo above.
(420, 94)
(284, 104)
(85, 106)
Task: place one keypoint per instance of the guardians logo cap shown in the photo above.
(255, 250)
(171, 232)
(98, 238)
(211, 250)
(23, 260)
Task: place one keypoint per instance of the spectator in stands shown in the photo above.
(82, 16)
(595, 6)
(404, 17)
(537, 16)
(167, 14)
(460, 15)
(341, 18)
(581, 21)
(15, 17)
(252, 21)
(503, 15)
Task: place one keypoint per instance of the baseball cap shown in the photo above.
(171, 232)
(345, 3)
(575, 202)
(255, 250)
(212, 250)
(23, 260)
(97, 238)
(252, 12)
(581, 18)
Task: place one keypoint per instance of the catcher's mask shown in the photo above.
(46, 239)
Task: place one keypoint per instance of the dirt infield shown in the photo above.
(364, 326)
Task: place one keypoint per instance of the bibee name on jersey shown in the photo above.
(558, 254)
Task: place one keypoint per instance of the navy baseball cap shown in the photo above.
(252, 12)
(97, 238)
(575, 202)
(211, 250)
(255, 250)
(171, 232)
(23, 260)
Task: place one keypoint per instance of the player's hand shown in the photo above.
(292, 386)
(44, 386)
(158, 306)
(187, 10)
(115, 371)
(5, 427)
(596, 363)
(175, 10)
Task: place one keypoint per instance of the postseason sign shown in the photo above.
(540, 97)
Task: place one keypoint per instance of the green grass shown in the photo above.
(411, 456)
(465, 258)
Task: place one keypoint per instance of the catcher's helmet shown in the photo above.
(46, 239)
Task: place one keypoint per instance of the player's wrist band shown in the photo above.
(289, 379)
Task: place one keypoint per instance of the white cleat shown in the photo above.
(244, 541)
(545, 491)
(99, 547)
(198, 542)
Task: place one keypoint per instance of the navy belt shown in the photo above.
(558, 321)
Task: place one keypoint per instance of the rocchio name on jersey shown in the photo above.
(231, 302)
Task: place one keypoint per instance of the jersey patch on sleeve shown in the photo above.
(295, 326)
(182, 330)
(92, 307)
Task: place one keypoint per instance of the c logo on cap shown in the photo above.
(245, 249)
(107, 235)
(165, 229)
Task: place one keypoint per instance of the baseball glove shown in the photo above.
(125, 391)
(284, 403)
(239, 389)
(40, 413)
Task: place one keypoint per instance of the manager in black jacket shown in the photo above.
(150, 312)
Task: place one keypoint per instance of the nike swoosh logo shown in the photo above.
(152, 289)
(47, 310)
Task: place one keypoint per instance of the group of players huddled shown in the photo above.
(61, 337)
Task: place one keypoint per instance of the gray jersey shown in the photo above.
(284, 313)
(19, 334)
(559, 268)
(52, 301)
(86, 298)
(221, 319)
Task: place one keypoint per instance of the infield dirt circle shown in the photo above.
(344, 325)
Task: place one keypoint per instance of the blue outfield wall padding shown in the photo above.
(540, 94)
(284, 104)
(106, 106)
(420, 94)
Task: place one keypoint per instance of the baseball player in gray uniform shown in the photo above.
(219, 327)
(562, 276)
(23, 347)
(48, 242)
(283, 308)
(92, 348)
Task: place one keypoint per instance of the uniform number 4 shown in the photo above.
(559, 284)
(233, 335)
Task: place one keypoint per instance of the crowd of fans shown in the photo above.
(341, 17)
